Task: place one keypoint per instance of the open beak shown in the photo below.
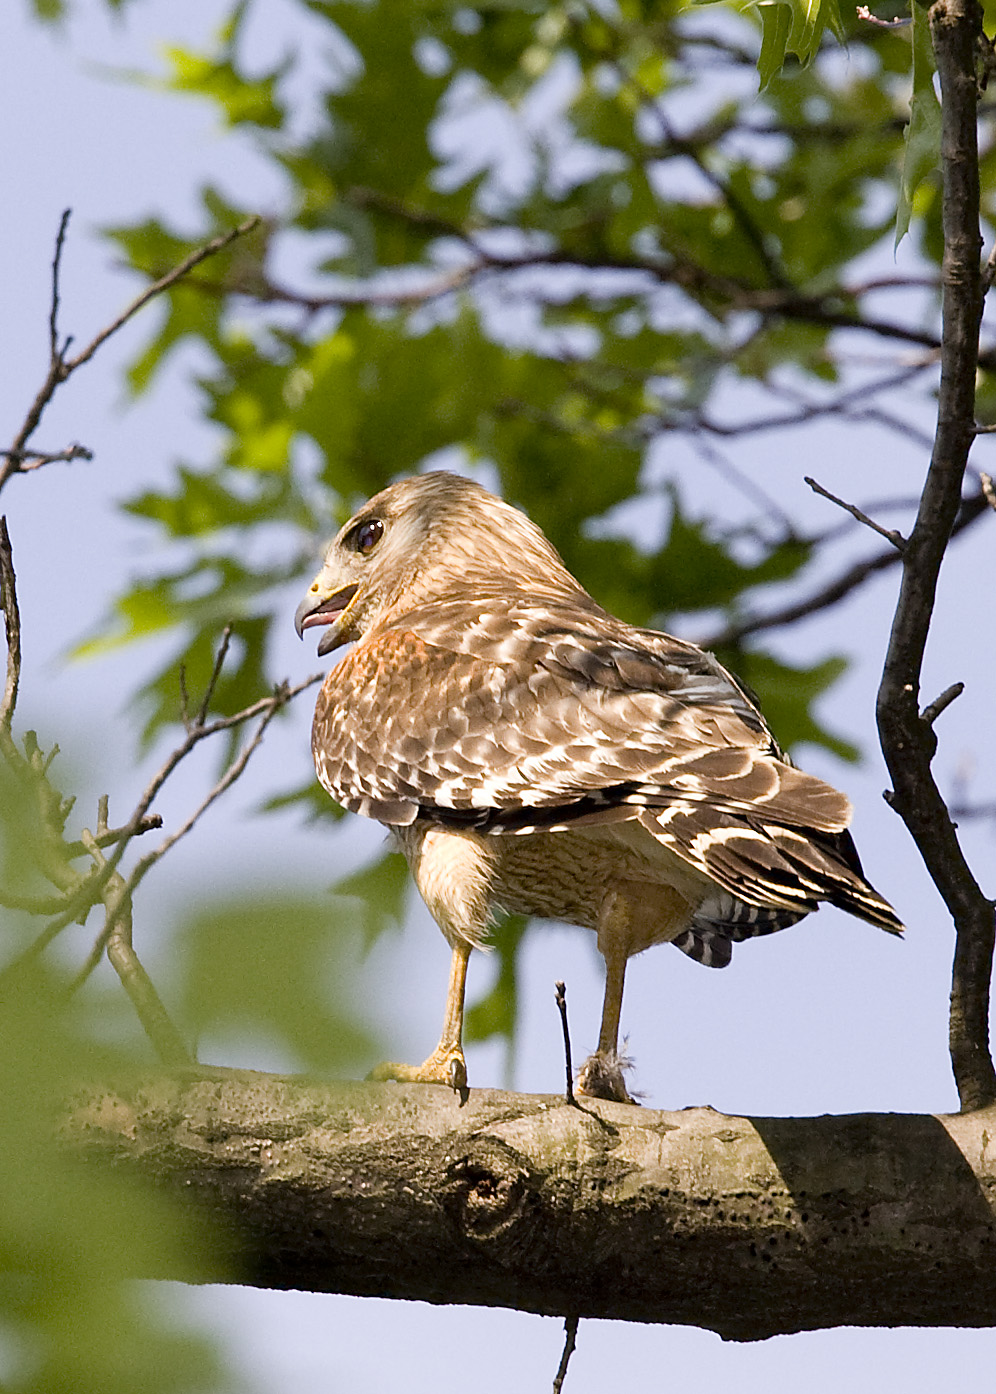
(312, 613)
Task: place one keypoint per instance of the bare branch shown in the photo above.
(907, 742)
(570, 1343)
(233, 772)
(864, 13)
(222, 654)
(34, 459)
(950, 694)
(12, 624)
(771, 302)
(209, 249)
(972, 508)
(896, 538)
(266, 706)
(116, 935)
(561, 996)
(118, 892)
(60, 367)
(53, 315)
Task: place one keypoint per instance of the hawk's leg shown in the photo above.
(446, 1064)
(633, 916)
(601, 1075)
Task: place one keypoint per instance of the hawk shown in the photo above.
(533, 754)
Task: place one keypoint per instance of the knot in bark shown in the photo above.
(487, 1189)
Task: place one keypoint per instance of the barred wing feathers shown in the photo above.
(525, 713)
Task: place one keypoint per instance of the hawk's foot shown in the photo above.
(602, 1076)
(442, 1067)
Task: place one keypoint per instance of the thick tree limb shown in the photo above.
(908, 741)
(748, 1227)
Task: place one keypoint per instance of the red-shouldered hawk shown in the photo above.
(534, 754)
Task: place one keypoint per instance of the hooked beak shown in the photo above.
(312, 613)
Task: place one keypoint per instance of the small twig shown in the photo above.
(896, 538)
(865, 14)
(267, 292)
(60, 367)
(55, 927)
(53, 314)
(12, 624)
(117, 935)
(209, 249)
(222, 654)
(972, 508)
(570, 1343)
(562, 1009)
(108, 836)
(225, 782)
(988, 489)
(950, 694)
(34, 459)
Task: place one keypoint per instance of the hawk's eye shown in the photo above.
(366, 536)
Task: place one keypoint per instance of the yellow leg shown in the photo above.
(446, 1064)
(615, 978)
(601, 1075)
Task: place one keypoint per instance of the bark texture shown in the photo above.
(748, 1227)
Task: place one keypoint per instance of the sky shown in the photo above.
(830, 1017)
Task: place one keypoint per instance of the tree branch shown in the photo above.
(748, 1227)
(890, 534)
(61, 367)
(972, 508)
(908, 742)
(12, 626)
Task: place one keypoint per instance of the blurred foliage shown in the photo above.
(72, 1236)
(567, 247)
(272, 965)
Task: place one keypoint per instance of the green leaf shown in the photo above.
(496, 1013)
(243, 102)
(193, 307)
(382, 890)
(798, 31)
(776, 27)
(202, 502)
(922, 135)
(311, 799)
(786, 695)
(274, 964)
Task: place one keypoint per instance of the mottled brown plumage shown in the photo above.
(535, 754)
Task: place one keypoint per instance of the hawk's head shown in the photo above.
(423, 538)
